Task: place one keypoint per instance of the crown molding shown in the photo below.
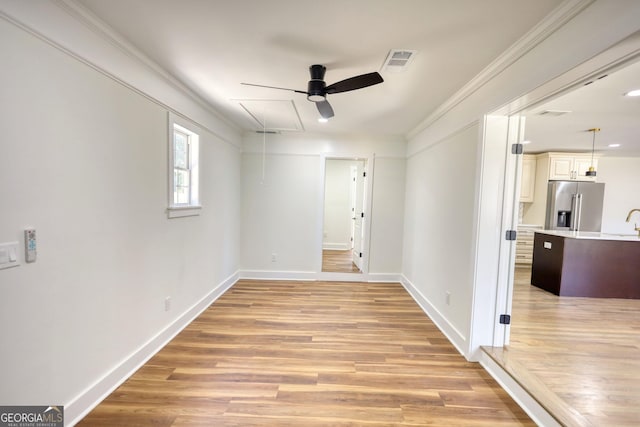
(545, 28)
(72, 29)
(83, 15)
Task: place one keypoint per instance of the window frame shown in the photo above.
(192, 207)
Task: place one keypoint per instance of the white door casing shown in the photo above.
(359, 217)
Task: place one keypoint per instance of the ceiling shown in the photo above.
(599, 104)
(212, 46)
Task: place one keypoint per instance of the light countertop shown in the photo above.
(592, 235)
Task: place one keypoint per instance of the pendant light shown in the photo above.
(592, 169)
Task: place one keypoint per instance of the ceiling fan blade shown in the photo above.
(274, 87)
(325, 109)
(353, 83)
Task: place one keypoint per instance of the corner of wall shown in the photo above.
(82, 404)
(458, 340)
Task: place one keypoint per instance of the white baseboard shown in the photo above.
(336, 246)
(384, 277)
(455, 337)
(528, 404)
(324, 276)
(81, 405)
(277, 275)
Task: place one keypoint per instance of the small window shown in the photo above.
(184, 170)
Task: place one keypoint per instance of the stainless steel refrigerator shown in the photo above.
(573, 205)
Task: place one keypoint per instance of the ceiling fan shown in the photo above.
(317, 89)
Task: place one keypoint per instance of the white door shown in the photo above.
(353, 181)
(360, 215)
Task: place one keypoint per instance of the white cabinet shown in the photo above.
(524, 243)
(570, 167)
(528, 179)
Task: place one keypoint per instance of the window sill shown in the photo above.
(183, 211)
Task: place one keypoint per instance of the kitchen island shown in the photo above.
(586, 264)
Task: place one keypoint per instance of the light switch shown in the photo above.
(4, 255)
(13, 257)
(8, 255)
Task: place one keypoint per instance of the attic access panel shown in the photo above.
(273, 115)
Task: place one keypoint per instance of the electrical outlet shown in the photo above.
(274, 257)
(167, 304)
(448, 298)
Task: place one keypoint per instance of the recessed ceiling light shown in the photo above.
(553, 113)
(526, 142)
(635, 92)
(614, 145)
(323, 120)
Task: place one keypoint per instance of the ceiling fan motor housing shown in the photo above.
(316, 88)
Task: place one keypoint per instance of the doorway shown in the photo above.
(587, 337)
(343, 236)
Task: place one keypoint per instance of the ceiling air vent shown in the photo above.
(398, 60)
(553, 113)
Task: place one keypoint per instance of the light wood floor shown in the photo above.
(579, 356)
(310, 354)
(338, 261)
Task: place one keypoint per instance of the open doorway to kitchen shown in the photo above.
(574, 355)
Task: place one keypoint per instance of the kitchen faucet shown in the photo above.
(629, 218)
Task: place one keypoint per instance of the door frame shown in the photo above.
(369, 165)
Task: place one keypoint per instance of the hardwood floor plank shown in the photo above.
(461, 416)
(578, 356)
(358, 396)
(303, 411)
(338, 261)
(309, 354)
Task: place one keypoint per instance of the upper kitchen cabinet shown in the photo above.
(528, 180)
(569, 166)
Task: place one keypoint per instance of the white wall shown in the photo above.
(439, 217)
(337, 204)
(621, 176)
(84, 161)
(283, 215)
(387, 217)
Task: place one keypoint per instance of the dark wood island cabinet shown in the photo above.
(586, 264)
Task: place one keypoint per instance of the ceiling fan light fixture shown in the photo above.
(316, 97)
(317, 88)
